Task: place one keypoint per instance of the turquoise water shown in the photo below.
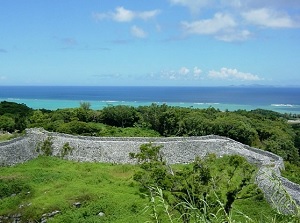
(284, 100)
(60, 104)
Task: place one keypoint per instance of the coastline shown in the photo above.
(54, 104)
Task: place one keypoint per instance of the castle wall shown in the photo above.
(175, 150)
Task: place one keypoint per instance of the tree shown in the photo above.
(162, 118)
(85, 105)
(14, 109)
(39, 119)
(206, 181)
(120, 116)
(78, 128)
(18, 112)
(7, 123)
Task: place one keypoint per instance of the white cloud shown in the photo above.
(196, 5)
(248, 4)
(234, 35)
(221, 26)
(227, 73)
(183, 74)
(125, 15)
(193, 5)
(220, 22)
(169, 75)
(269, 18)
(197, 72)
(184, 71)
(148, 14)
(138, 32)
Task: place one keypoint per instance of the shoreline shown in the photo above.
(54, 104)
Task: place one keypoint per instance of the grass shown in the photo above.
(47, 184)
(56, 184)
(160, 210)
(291, 172)
(8, 136)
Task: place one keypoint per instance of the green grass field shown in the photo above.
(49, 184)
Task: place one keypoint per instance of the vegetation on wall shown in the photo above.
(217, 182)
(45, 147)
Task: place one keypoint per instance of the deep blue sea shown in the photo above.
(284, 100)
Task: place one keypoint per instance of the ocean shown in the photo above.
(280, 99)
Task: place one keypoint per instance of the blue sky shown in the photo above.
(156, 43)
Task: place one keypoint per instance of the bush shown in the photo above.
(46, 147)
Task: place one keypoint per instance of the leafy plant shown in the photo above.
(66, 150)
(206, 185)
(46, 147)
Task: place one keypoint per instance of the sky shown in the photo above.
(149, 43)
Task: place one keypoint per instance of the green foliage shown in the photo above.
(39, 119)
(292, 172)
(8, 136)
(66, 150)
(12, 187)
(14, 109)
(47, 184)
(7, 123)
(56, 184)
(159, 211)
(78, 128)
(64, 115)
(235, 127)
(85, 105)
(206, 181)
(120, 116)
(13, 116)
(148, 153)
(267, 114)
(264, 129)
(161, 118)
(46, 147)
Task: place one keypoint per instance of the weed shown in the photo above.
(45, 147)
(66, 150)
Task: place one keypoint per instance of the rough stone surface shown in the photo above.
(277, 189)
(101, 214)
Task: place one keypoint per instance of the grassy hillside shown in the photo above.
(49, 184)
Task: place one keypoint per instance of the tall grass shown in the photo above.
(49, 184)
(8, 136)
(159, 211)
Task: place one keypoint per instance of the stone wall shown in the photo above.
(277, 189)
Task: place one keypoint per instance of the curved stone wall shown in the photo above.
(277, 189)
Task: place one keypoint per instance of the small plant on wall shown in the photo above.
(66, 150)
(46, 147)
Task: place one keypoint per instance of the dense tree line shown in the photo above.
(14, 116)
(260, 128)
